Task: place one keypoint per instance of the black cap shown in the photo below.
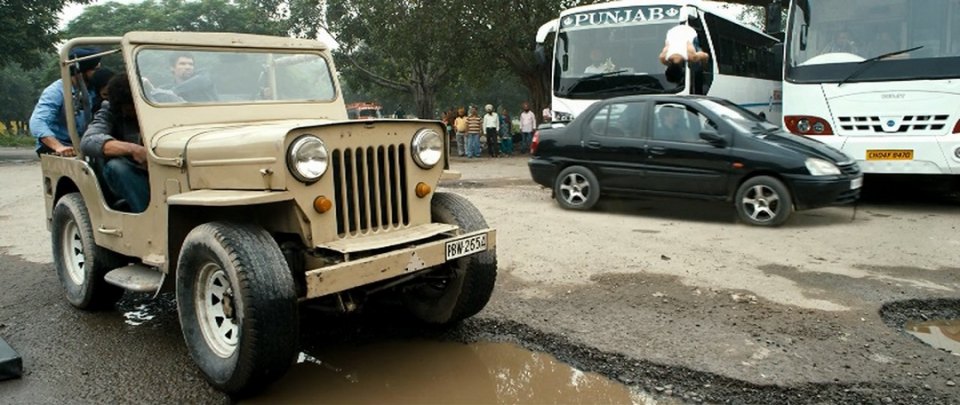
(87, 64)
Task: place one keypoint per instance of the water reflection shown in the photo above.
(942, 334)
(442, 373)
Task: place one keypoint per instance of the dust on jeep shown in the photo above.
(261, 195)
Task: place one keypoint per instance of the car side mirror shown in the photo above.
(713, 137)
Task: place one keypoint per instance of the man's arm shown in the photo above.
(48, 109)
(98, 140)
(663, 53)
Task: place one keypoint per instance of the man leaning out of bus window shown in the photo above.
(678, 48)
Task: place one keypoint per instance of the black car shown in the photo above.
(690, 146)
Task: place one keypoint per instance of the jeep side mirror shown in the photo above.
(713, 137)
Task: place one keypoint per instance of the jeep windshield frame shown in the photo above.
(197, 76)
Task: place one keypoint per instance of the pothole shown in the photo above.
(414, 372)
(935, 322)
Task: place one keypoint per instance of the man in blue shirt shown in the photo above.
(48, 123)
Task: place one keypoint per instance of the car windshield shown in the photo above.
(744, 120)
(613, 51)
(196, 76)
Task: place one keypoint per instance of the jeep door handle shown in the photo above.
(594, 145)
(658, 150)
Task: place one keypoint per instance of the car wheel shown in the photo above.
(80, 263)
(238, 306)
(460, 288)
(764, 201)
(576, 188)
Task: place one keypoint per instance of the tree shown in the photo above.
(19, 89)
(29, 29)
(405, 46)
(114, 19)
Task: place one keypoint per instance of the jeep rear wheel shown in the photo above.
(459, 288)
(80, 263)
(238, 306)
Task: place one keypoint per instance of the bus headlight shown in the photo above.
(820, 167)
(427, 148)
(307, 158)
(803, 125)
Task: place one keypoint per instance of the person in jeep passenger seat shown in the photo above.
(113, 139)
(48, 122)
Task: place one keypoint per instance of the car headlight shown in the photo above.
(427, 148)
(307, 158)
(820, 167)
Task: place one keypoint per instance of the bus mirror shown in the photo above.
(540, 54)
(565, 64)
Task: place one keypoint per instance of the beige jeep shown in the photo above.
(261, 197)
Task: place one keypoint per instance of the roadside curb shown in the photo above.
(11, 365)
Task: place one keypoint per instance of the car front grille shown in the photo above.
(849, 169)
(914, 124)
(370, 189)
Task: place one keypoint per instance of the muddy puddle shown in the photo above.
(442, 373)
(941, 334)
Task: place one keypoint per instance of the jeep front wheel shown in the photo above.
(80, 263)
(459, 288)
(238, 306)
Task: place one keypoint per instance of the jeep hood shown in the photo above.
(227, 141)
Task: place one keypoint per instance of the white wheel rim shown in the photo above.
(73, 256)
(761, 203)
(575, 189)
(216, 310)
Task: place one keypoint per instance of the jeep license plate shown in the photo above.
(466, 246)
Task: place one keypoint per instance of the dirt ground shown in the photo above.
(675, 298)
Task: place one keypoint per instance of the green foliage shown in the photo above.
(114, 19)
(10, 138)
(29, 29)
(19, 90)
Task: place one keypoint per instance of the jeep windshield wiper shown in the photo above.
(866, 63)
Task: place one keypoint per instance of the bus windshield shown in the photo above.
(609, 52)
(829, 39)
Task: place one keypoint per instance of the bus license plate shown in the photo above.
(466, 246)
(856, 183)
(890, 154)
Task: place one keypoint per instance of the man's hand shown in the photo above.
(139, 154)
(65, 151)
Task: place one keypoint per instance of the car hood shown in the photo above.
(805, 146)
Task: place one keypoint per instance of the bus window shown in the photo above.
(742, 52)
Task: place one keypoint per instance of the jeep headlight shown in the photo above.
(820, 167)
(307, 158)
(427, 148)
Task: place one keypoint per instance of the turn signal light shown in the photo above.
(956, 127)
(322, 204)
(535, 142)
(422, 189)
(807, 125)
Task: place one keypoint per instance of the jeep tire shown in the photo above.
(80, 263)
(459, 288)
(238, 306)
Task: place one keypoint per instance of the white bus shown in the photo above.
(611, 49)
(878, 79)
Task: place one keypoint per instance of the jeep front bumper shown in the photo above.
(355, 273)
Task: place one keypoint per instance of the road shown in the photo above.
(673, 298)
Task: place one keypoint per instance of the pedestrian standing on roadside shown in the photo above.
(491, 128)
(506, 133)
(460, 126)
(474, 126)
(528, 123)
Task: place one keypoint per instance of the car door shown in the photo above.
(678, 160)
(612, 142)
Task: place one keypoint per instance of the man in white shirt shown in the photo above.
(679, 48)
(491, 128)
(528, 122)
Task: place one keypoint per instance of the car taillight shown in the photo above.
(956, 127)
(807, 125)
(535, 142)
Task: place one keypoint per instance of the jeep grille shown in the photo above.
(371, 189)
